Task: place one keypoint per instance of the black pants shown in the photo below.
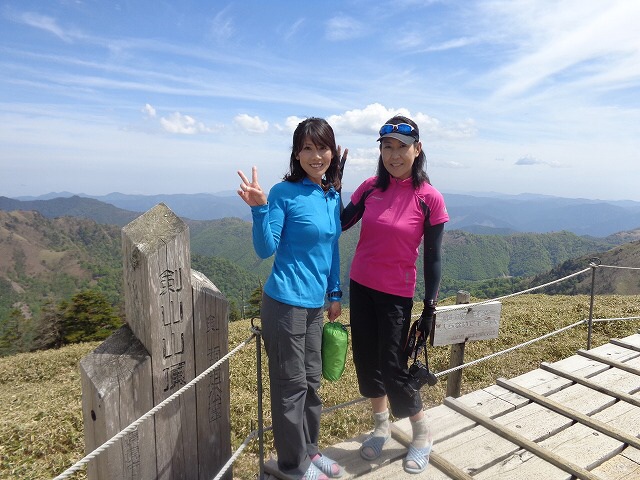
(379, 327)
(293, 338)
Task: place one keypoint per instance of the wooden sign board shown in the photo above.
(466, 323)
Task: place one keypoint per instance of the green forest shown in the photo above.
(61, 279)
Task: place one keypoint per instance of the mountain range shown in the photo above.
(50, 248)
(495, 214)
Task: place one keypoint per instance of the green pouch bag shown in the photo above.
(335, 340)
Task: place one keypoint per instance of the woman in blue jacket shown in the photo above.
(299, 222)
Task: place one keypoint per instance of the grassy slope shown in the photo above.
(41, 422)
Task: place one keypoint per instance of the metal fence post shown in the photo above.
(594, 264)
(258, 333)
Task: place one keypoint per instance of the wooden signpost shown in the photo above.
(176, 328)
(456, 325)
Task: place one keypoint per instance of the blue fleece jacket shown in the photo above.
(301, 225)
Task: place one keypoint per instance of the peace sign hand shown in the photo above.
(250, 191)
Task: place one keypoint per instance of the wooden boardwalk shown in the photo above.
(575, 418)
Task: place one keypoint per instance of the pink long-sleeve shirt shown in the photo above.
(391, 231)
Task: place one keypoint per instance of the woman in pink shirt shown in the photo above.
(398, 208)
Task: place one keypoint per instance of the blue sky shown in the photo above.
(152, 97)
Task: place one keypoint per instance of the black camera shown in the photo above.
(418, 376)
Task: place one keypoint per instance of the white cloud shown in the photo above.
(343, 28)
(251, 124)
(182, 124)
(293, 29)
(451, 44)
(451, 164)
(573, 40)
(362, 159)
(45, 23)
(149, 111)
(366, 121)
(530, 160)
(369, 119)
(222, 27)
(292, 122)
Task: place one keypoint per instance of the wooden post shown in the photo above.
(210, 320)
(454, 379)
(157, 280)
(115, 379)
(177, 324)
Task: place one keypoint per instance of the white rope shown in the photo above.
(621, 268)
(463, 306)
(525, 344)
(134, 425)
(612, 319)
(235, 456)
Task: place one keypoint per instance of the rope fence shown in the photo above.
(256, 334)
(134, 425)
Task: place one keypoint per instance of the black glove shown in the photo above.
(427, 318)
(342, 161)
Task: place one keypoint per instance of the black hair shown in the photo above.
(418, 170)
(319, 132)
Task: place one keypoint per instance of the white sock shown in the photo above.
(421, 433)
(382, 428)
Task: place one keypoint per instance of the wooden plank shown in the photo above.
(535, 422)
(620, 343)
(523, 465)
(571, 413)
(440, 463)
(632, 454)
(579, 443)
(584, 446)
(347, 454)
(618, 468)
(581, 366)
(624, 417)
(608, 361)
(444, 422)
(592, 385)
(615, 352)
(477, 449)
(582, 399)
(518, 439)
(395, 471)
(507, 396)
(487, 403)
(619, 380)
(542, 382)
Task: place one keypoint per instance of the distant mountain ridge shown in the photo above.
(541, 214)
(481, 213)
(74, 206)
(45, 258)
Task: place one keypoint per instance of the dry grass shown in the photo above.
(41, 431)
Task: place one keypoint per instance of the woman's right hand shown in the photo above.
(250, 191)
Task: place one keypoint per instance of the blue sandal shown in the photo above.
(313, 473)
(419, 456)
(375, 444)
(326, 466)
